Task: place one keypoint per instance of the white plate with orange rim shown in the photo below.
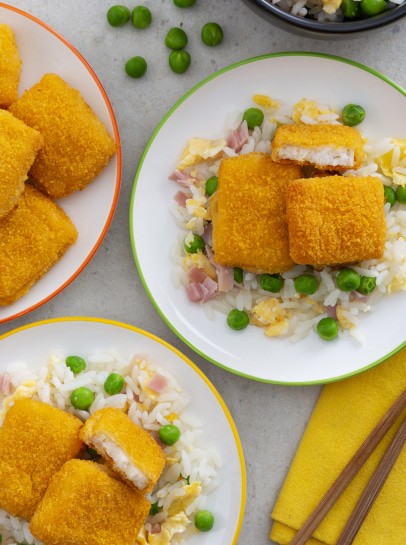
(42, 51)
(36, 342)
(202, 113)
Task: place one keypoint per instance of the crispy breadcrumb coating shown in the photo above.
(33, 237)
(85, 506)
(335, 220)
(127, 448)
(19, 146)
(35, 441)
(10, 67)
(329, 147)
(248, 211)
(77, 145)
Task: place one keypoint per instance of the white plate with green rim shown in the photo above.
(43, 50)
(201, 113)
(35, 343)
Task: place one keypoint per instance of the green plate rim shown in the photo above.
(132, 199)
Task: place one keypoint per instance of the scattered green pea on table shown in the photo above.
(141, 17)
(118, 15)
(212, 34)
(176, 38)
(254, 117)
(184, 3)
(179, 61)
(136, 67)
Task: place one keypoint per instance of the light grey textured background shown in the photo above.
(270, 418)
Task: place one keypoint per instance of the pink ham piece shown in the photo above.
(237, 138)
(196, 275)
(157, 383)
(155, 435)
(183, 178)
(208, 235)
(5, 384)
(332, 312)
(181, 198)
(202, 292)
(156, 529)
(225, 275)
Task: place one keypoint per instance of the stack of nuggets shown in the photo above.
(10, 67)
(33, 237)
(35, 441)
(127, 448)
(335, 220)
(19, 146)
(84, 505)
(77, 145)
(248, 209)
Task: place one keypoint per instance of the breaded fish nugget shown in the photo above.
(77, 145)
(85, 506)
(335, 220)
(35, 441)
(33, 237)
(127, 448)
(328, 147)
(19, 146)
(10, 67)
(248, 211)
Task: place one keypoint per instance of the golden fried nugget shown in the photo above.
(33, 237)
(19, 146)
(328, 147)
(335, 220)
(35, 441)
(248, 211)
(77, 145)
(10, 67)
(127, 448)
(85, 506)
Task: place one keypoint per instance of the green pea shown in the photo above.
(238, 275)
(93, 453)
(169, 434)
(118, 15)
(136, 67)
(327, 329)
(176, 38)
(1, 538)
(82, 398)
(350, 8)
(141, 17)
(348, 280)
(367, 285)
(196, 244)
(390, 195)
(271, 282)
(204, 520)
(211, 185)
(212, 34)
(306, 283)
(179, 61)
(184, 3)
(401, 194)
(352, 114)
(373, 7)
(237, 319)
(76, 364)
(113, 384)
(254, 117)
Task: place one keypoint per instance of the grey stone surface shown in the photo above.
(270, 418)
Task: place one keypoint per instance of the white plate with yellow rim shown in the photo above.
(43, 50)
(202, 113)
(35, 343)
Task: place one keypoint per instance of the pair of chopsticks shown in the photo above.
(373, 487)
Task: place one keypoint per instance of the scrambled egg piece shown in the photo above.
(173, 525)
(384, 162)
(266, 102)
(331, 6)
(269, 314)
(24, 390)
(192, 491)
(200, 149)
(311, 109)
(342, 320)
(197, 205)
(202, 262)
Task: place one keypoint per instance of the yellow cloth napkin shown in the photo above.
(344, 415)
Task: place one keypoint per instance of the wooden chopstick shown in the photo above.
(373, 488)
(350, 470)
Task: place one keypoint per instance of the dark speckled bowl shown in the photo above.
(327, 31)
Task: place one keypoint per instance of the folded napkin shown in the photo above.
(345, 414)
